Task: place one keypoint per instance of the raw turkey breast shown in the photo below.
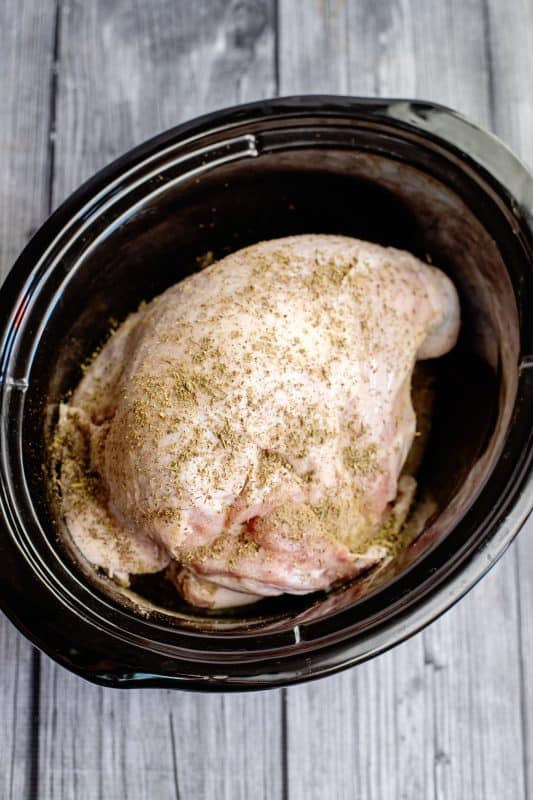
(247, 428)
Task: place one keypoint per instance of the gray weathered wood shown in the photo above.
(441, 715)
(25, 28)
(15, 712)
(363, 732)
(313, 47)
(448, 714)
(126, 71)
(131, 69)
(511, 47)
(438, 717)
(144, 744)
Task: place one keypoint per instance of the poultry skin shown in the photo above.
(247, 428)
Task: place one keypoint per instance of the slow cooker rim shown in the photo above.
(101, 177)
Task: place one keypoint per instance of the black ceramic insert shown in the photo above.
(408, 174)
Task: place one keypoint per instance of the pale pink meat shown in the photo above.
(248, 427)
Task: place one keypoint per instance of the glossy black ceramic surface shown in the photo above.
(403, 173)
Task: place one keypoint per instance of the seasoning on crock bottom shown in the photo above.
(248, 428)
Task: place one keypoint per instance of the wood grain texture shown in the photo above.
(126, 71)
(447, 715)
(364, 731)
(439, 716)
(25, 27)
(510, 49)
(313, 47)
(399, 48)
(144, 744)
(510, 44)
(131, 69)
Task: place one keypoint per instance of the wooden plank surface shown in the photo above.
(512, 59)
(146, 744)
(128, 70)
(448, 714)
(125, 72)
(25, 27)
(425, 720)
